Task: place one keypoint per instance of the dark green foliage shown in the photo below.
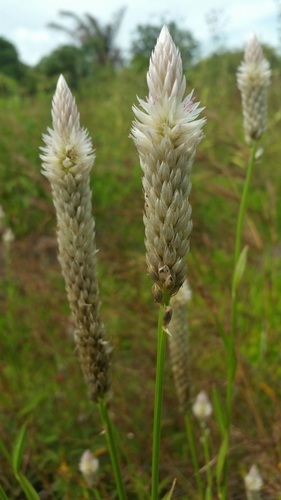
(9, 61)
(67, 60)
(145, 39)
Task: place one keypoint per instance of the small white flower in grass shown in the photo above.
(253, 79)
(8, 236)
(166, 134)
(202, 407)
(253, 483)
(89, 467)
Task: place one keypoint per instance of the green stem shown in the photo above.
(240, 220)
(243, 202)
(231, 345)
(161, 345)
(109, 432)
(193, 454)
(207, 460)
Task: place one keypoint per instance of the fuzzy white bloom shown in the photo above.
(253, 80)
(8, 236)
(202, 407)
(166, 135)
(253, 483)
(67, 162)
(178, 344)
(89, 467)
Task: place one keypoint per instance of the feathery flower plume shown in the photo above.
(202, 407)
(253, 79)
(178, 344)
(166, 135)
(89, 466)
(67, 162)
(253, 483)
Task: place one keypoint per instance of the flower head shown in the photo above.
(253, 483)
(67, 161)
(89, 466)
(166, 134)
(253, 79)
(202, 407)
(8, 236)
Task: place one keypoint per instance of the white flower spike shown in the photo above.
(67, 162)
(253, 80)
(166, 134)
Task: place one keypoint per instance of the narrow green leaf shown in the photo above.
(3, 495)
(32, 404)
(5, 452)
(18, 450)
(169, 495)
(27, 488)
(221, 459)
(222, 333)
(219, 411)
(239, 269)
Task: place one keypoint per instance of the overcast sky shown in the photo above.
(24, 23)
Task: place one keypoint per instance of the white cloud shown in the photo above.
(25, 23)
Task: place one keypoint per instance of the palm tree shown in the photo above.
(96, 41)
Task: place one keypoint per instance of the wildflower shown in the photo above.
(89, 466)
(178, 344)
(8, 236)
(202, 407)
(67, 162)
(253, 483)
(253, 79)
(166, 135)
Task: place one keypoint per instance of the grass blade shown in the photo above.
(219, 412)
(27, 488)
(3, 495)
(18, 450)
(5, 452)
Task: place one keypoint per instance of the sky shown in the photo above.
(24, 23)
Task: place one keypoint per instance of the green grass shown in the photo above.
(41, 382)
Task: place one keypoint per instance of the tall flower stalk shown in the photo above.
(253, 79)
(68, 158)
(166, 134)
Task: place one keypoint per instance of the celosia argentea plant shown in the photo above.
(67, 162)
(166, 134)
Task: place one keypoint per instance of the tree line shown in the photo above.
(91, 46)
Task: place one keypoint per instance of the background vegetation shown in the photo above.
(41, 383)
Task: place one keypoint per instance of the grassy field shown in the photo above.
(41, 380)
